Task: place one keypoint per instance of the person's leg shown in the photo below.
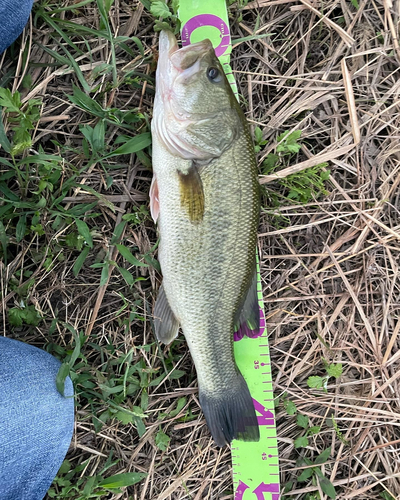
(36, 422)
(14, 15)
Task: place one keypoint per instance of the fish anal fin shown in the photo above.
(154, 201)
(248, 319)
(192, 194)
(166, 325)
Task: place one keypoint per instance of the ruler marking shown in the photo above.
(246, 458)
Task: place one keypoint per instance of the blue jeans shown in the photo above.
(14, 15)
(36, 422)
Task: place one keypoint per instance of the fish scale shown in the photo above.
(255, 465)
(178, 259)
(205, 196)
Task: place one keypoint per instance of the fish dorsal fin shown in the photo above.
(154, 201)
(192, 194)
(166, 325)
(248, 317)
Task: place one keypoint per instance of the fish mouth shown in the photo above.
(177, 65)
(180, 59)
(172, 113)
(167, 45)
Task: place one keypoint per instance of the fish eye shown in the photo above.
(214, 74)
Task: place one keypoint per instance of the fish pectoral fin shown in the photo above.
(248, 319)
(192, 194)
(166, 325)
(154, 201)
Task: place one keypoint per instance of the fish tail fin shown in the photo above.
(230, 414)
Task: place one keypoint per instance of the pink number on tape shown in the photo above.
(208, 20)
(267, 417)
(262, 488)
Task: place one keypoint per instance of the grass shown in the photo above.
(79, 250)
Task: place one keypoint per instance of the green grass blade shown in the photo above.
(80, 261)
(73, 6)
(86, 103)
(104, 18)
(67, 61)
(118, 231)
(49, 20)
(146, 3)
(62, 374)
(135, 144)
(249, 38)
(4, 142)
(104, 274)
(84, 231)
(120, 480)
(130, 280)
(126, 254)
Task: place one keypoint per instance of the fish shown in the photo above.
(205, 198)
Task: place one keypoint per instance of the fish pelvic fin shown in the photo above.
(230, 414)
(154, 200)
(166, 325)
(192, 194)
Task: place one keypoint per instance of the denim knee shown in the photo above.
(36, 422)
(14, 15)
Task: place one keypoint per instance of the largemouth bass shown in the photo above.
(205, 198)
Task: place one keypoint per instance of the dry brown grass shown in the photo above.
(329, 268)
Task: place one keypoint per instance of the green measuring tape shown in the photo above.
(255, 465)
